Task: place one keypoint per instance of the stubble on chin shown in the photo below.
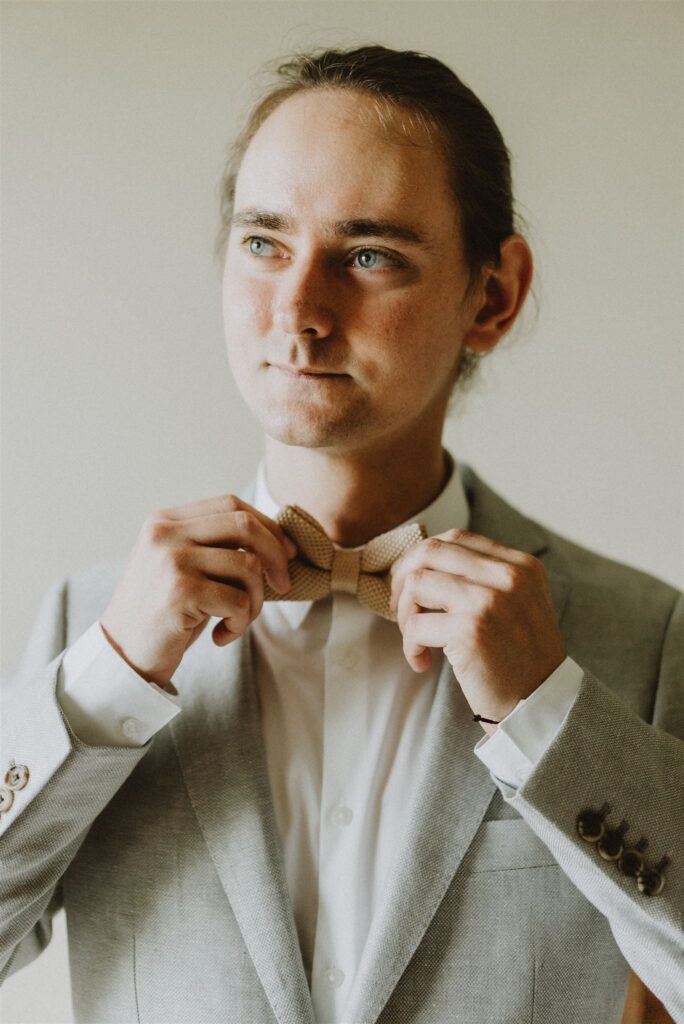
(292, 423)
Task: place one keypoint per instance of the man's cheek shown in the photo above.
(248, 305)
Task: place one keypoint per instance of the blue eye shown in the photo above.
(258, 245)
(374, 259)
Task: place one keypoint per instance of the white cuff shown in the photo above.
(104, 700)
(523, 736)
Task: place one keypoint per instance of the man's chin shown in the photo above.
(315, 431)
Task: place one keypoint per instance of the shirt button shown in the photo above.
(17, 776)
(132, 728)
(342, 816)
(334, 977)
(6, 798)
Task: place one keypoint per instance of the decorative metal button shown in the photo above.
(16, 776)
(651, 880)
(610, 845)
(591, 825)
(631, 862)
(6, 798)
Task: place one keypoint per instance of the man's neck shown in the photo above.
(356, 496)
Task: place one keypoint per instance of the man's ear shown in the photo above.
(501, 294)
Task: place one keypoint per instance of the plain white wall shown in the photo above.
(117, 397)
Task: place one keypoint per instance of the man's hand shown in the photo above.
(489, 607)
(190, 563)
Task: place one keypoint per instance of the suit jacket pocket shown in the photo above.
(506, 845)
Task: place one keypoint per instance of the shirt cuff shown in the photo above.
(512, 752)
(104, 700)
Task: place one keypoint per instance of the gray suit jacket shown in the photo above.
(168, 861)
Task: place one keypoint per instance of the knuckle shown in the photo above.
(176, 557)
(411, 625)
(241, 600)
(432, 545)
(458, 533)
(487, 607)
(415, 579)
(244, 520)
(232, 502)
(532, 565)
(156, 528)
(181, 587)
(512, 577)
(252, 562)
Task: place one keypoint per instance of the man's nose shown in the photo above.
(304, 302)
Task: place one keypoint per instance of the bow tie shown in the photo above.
(321, 566)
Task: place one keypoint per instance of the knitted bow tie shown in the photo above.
(321, 566)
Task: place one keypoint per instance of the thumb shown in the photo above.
(222, 635)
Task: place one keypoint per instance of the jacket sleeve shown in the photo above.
(605, 754)
(69, 783)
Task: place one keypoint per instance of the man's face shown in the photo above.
(344, 258)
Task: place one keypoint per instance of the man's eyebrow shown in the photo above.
(353, 228)
(378, 229)
(255, 217)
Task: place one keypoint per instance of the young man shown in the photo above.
(363, 743)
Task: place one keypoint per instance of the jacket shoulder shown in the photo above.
(587, 568)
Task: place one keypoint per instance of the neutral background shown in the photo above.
(117, 397)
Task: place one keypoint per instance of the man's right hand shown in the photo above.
(191, 563)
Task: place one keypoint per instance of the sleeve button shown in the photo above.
(132, 728)
(6, 798)
(631, 863)
(590, 824)
(651, 881)
(611, 845)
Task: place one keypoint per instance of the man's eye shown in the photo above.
(374, 259)
(257, 245)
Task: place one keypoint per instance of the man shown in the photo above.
(436, 774)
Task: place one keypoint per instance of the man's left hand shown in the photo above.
(488, 607)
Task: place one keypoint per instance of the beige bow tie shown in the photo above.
(322, 566)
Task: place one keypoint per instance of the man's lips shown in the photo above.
(305, 371)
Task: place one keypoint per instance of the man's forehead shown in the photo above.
(310, 162)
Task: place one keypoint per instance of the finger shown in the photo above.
(225, 504)
(424, 630)
(485, 545)
(441, 554)
(242, 529)
(425, 591)
(237, 568)
(224, 601)
(434, 591)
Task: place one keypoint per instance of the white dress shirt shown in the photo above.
(343, 720)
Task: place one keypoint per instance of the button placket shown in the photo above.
(343, 744)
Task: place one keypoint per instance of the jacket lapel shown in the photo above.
(452, 792)
(220, 747)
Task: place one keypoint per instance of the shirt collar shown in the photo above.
(448, 511)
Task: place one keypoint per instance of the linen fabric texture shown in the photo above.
(167, 859)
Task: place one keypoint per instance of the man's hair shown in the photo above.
(438, 102)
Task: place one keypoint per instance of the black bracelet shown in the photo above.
(489, 721)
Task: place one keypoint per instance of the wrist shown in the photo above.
(161, 678)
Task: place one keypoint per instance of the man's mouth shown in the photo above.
(306, 371)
